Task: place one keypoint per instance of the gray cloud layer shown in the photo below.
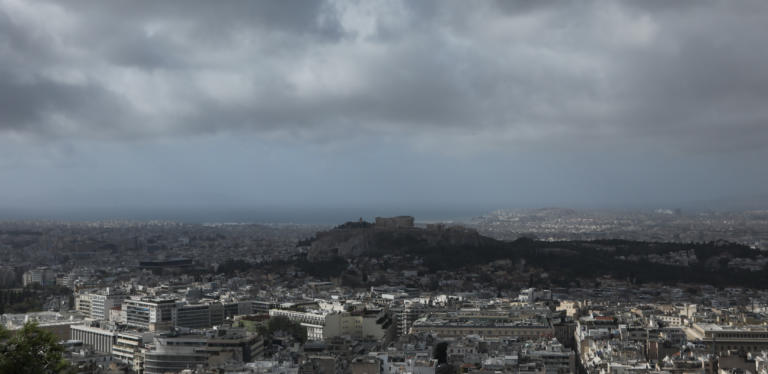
(689, 75)
(117, 105)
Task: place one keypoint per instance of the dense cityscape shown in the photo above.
(362, 298)
(383, 187)
(745, 227)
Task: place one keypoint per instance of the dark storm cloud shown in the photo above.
(508, 73)
(703, 89)
(34, 105)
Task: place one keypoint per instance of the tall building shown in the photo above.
(199, 315)
(128, 348)
(406, 313)
(102, 302)
(149, 313)
(83, 304)
(96, 304)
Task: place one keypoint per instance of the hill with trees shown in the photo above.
(718, 263)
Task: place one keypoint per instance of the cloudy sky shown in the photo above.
(379, 106)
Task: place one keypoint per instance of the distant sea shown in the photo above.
(298, 215)
(336, 214)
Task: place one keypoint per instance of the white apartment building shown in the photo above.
(102, 302)
(150, 314)
(101, 339)
(322, 325)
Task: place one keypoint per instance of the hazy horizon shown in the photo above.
(326, 215)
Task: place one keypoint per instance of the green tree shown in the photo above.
(282, 323)
(31, 350)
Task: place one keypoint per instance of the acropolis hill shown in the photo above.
(389, 235)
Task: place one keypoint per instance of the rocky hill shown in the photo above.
(443, 248)
(394, 235)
